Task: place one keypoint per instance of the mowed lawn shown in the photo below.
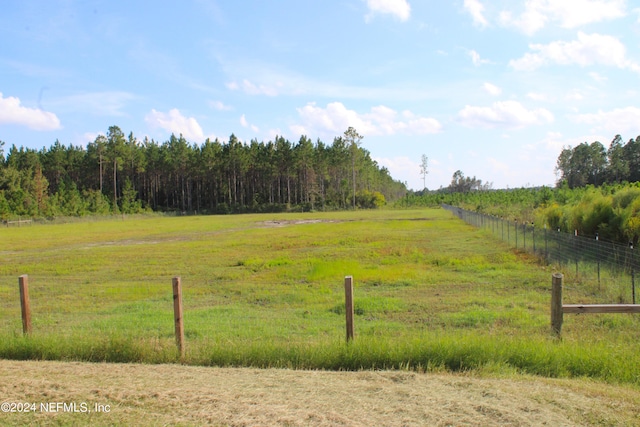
(431, 293)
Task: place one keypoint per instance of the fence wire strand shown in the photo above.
(588, 256)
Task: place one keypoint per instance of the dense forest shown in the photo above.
(116, 173)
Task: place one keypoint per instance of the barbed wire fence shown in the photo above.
(586, 259)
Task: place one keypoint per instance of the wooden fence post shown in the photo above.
(556, 303)
(177, 314)
(348, 305)
(25, 304)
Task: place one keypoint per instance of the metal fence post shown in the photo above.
(533, 235)
(598, 259)
(546, 244)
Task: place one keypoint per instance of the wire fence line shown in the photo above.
(589, 255)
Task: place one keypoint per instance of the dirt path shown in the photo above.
(183, 395)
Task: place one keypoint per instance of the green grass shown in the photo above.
(431, 293)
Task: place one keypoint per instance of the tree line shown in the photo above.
(597, 193)
(594, 164)
(117, 173)
(610, 211)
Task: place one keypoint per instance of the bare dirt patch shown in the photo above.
(185, 395)
(284, 223)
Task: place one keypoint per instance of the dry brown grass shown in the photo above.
(185, 395)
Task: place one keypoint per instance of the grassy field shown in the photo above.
(431, 294)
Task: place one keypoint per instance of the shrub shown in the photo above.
(370, 200)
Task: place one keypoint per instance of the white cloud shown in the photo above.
(498, 166)
(553, 141)
(89, 137)
(567, 13)
(220, 106)
(475, 58)
(95, 103)
(576, 13)
(598, 77)
(619, 120)
(588, 49)
(529, 22)
(537, 96)
(546, 150)
(405, 169)
(245, 124)
(476, 9)
(12, 112)
(254, 89)
(381, 120)
(272, 133)
(176, 123)
(575, 95)
(398, 8)
(492, 89)
(507, 114)
(260, 77)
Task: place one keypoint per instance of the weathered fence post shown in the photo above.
(556, 303)
(25, 304)
(348, 305)
(177, 314)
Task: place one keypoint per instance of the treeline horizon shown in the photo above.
(596, 165)
(597, 194)
(120, 174)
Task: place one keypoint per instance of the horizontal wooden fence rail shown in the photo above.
(22, 221)
(558, 308)
(601, 308)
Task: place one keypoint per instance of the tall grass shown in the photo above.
(431, 293)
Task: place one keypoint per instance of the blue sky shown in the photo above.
(493, 88)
